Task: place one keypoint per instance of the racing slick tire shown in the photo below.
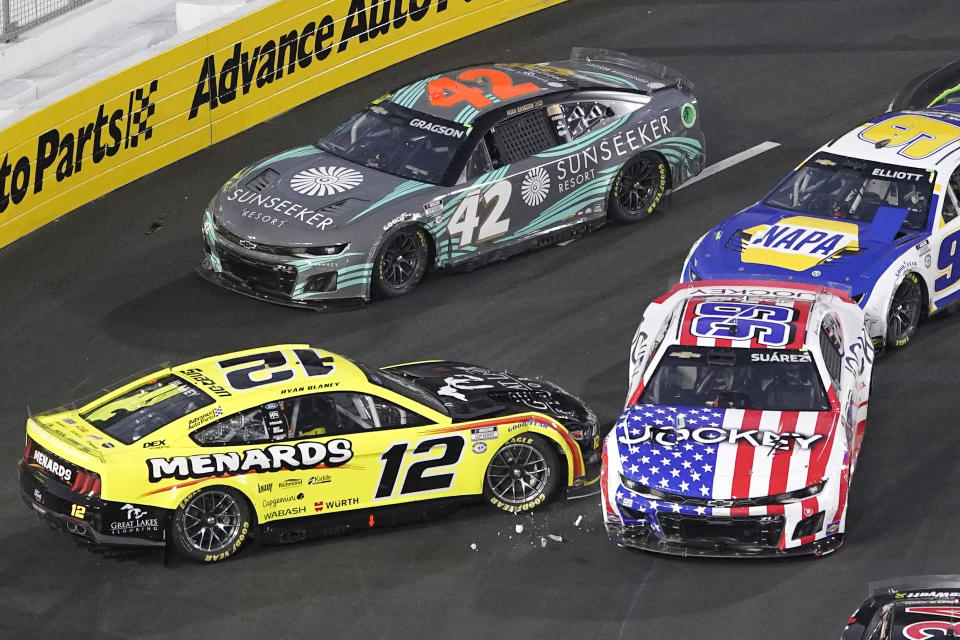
(638, 188)
(401, 261)
(210, 524)
(904, 314)
(522, 474)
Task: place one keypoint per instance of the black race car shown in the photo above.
(914, 608)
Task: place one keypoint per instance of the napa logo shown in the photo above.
(799, 243)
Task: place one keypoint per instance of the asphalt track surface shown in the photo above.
(96, 296)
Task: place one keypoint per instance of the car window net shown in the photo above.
(524, 135)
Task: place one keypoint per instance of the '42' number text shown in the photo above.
(465, 219)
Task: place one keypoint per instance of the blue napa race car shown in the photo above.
(874, 212)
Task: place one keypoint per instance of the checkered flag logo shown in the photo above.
(140, 108)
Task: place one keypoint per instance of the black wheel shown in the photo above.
(522, 474)
(638, 188)
(210, 524)
(904, 314)
(401, 261)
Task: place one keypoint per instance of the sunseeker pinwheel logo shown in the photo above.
(325, 181)
(535, 187)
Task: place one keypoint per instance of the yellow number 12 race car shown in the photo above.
(288, 442)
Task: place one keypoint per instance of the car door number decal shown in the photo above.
(416, 479)
(465, 219)
(948, 262)
(917, 136)
(271, 367)
(447, 92)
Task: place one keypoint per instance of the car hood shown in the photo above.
(470, 392)
(303, 197)
(706, 453)
(768, 243)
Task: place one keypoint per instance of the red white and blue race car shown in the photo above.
(743, 424)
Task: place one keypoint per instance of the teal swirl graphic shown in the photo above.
(403, 189)
(408, 96)
(299, 152)
(586, 194)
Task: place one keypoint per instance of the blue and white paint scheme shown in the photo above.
(874, 212)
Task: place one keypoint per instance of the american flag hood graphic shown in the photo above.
(720, 454)
(784, 473)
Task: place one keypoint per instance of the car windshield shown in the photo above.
(851, 189)
(403, 387)
(765, 379)
(140, 412)
(398, 141)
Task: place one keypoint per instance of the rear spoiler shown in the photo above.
(658, 76)
(929, 88)
(744, 280)
(87, 398)
(916, 583)
(64, 431)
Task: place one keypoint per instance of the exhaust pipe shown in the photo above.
(77, 528)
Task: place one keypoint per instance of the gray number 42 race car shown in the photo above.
(458, 169)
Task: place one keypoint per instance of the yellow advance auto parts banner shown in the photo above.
(212, 87)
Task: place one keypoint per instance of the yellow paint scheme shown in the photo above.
(919, 136)
(278, 494)
(799, 255)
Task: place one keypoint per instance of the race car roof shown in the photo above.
(456, 95)
(286, 364)
(758, 315)
(720, 321)
(891, 138)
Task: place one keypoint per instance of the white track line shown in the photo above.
(746, 154)
(729, 162)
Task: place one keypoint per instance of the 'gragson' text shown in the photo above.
(437, 128)
(279, 457)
